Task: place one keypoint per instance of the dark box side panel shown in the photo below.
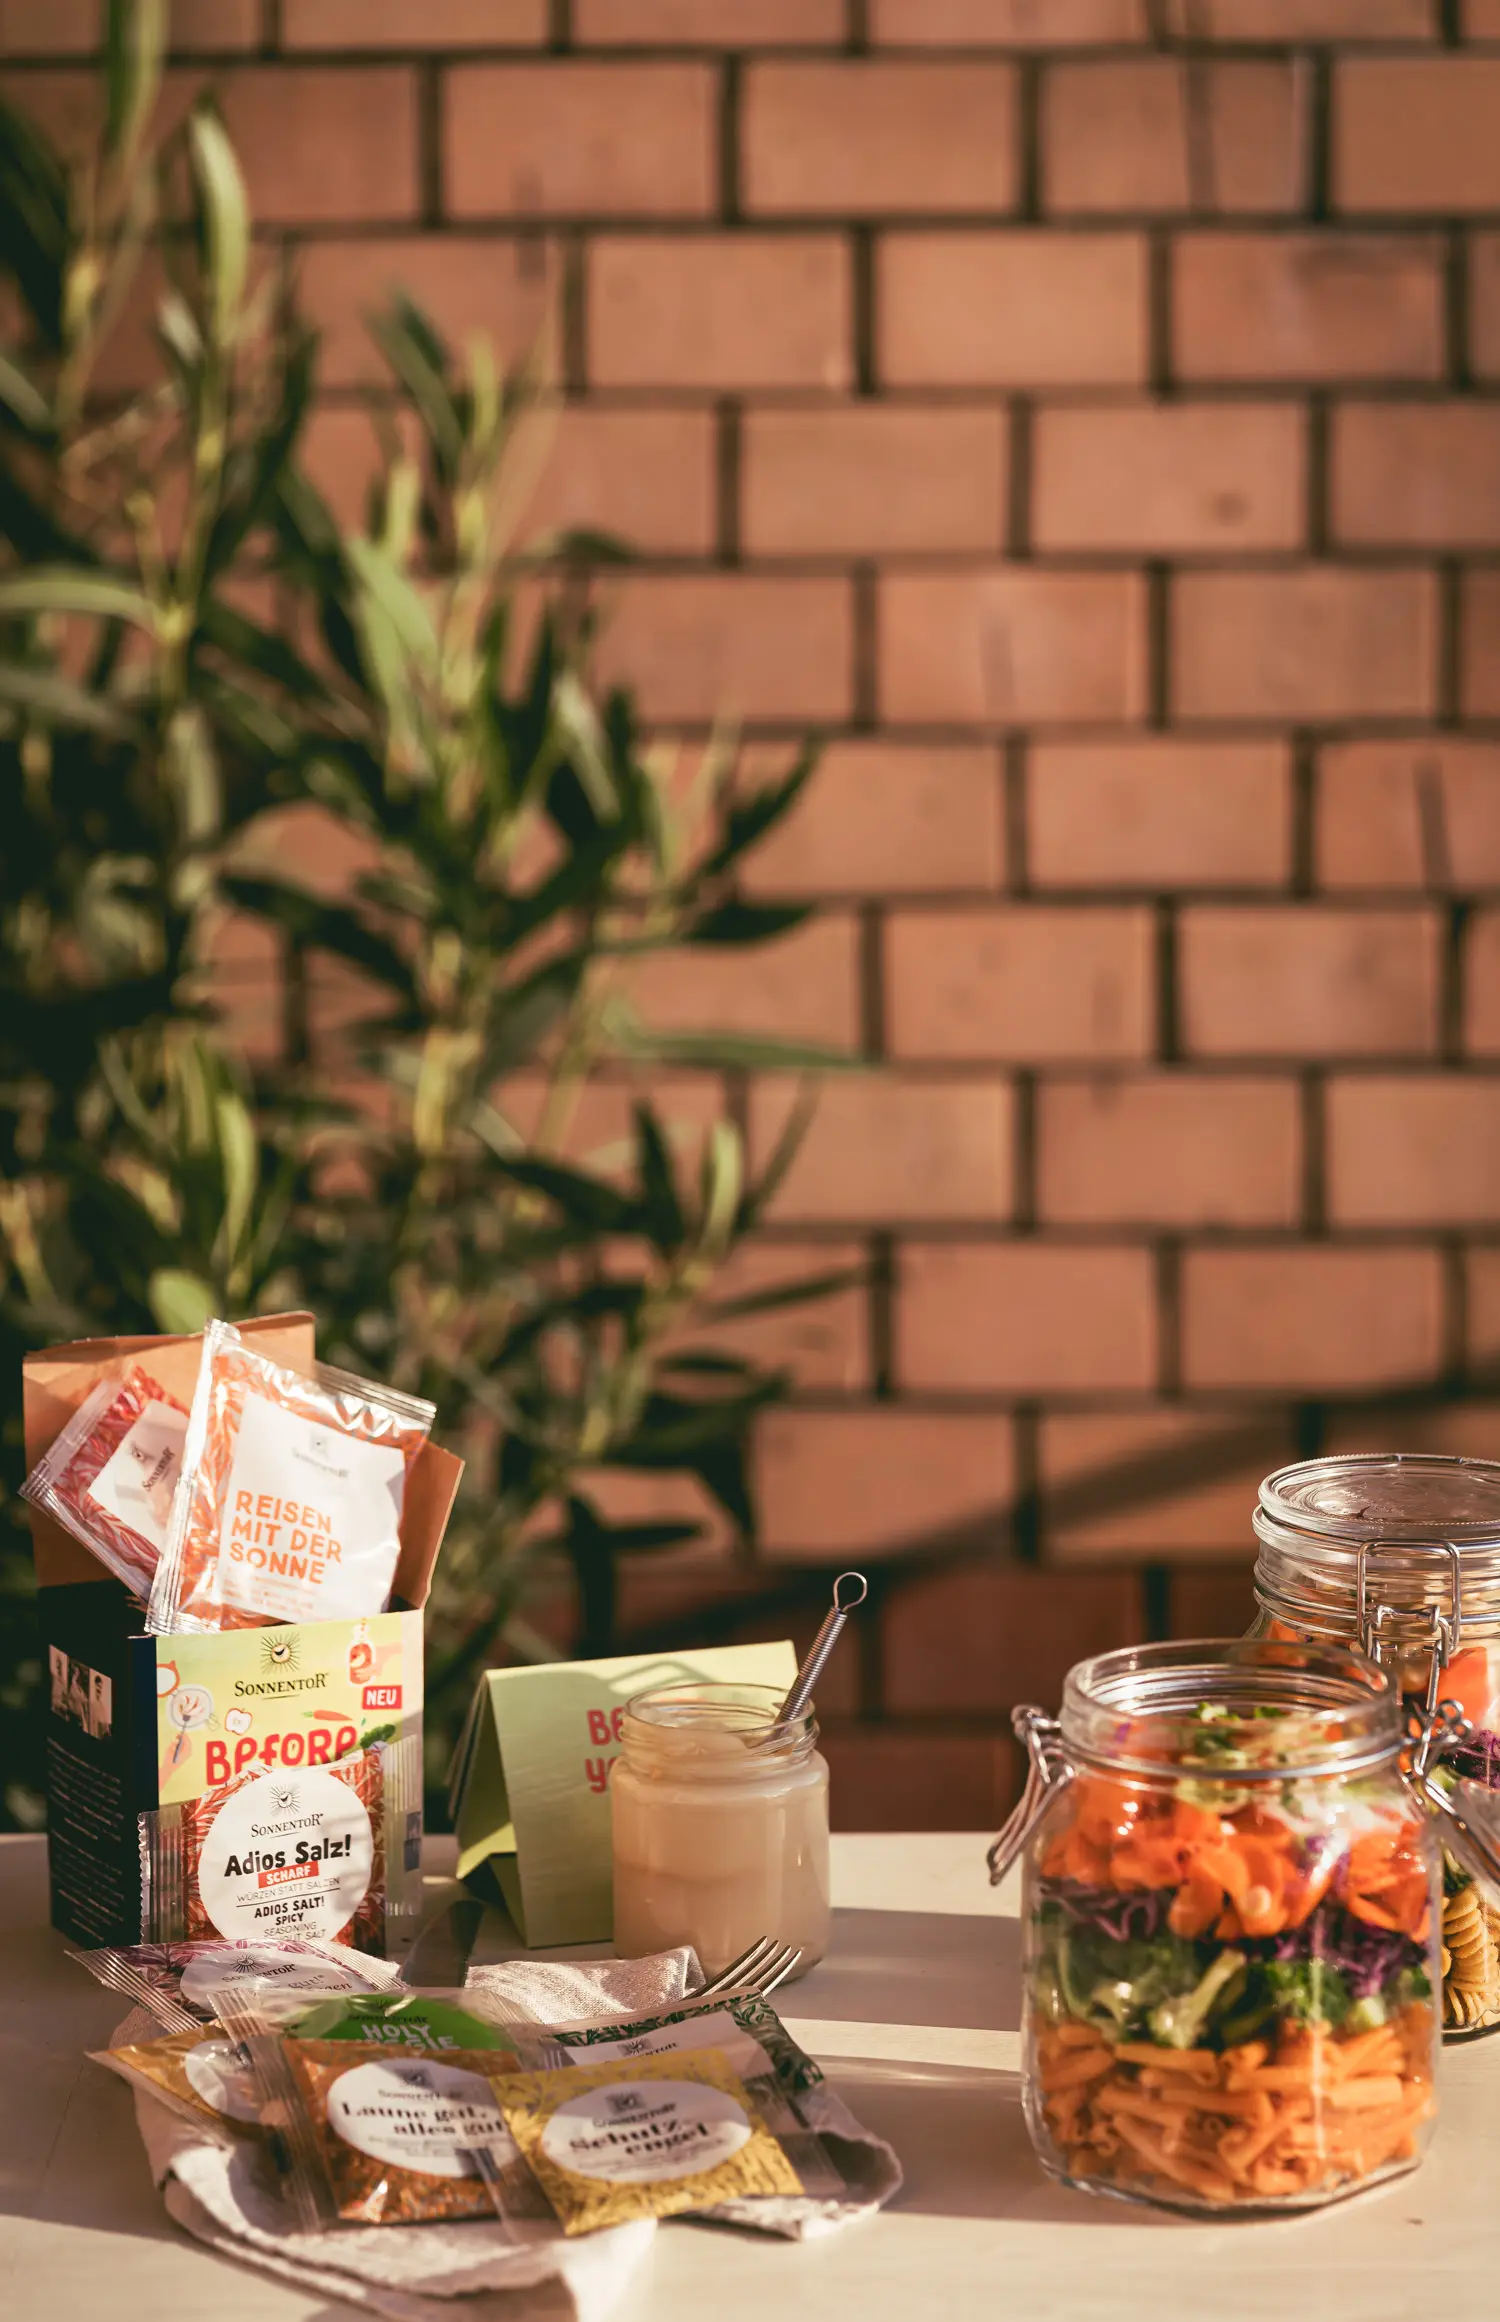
(101, 1758)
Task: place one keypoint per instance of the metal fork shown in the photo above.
(758, 1970)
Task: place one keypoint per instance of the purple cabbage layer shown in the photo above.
(1477, 1757)
(1368, 1957)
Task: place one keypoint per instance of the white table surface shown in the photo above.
(914, 2014)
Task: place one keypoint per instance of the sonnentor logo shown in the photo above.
(284, 1797)
(322, 1454)
(618, 2101)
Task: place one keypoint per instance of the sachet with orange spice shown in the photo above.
(290, 1502)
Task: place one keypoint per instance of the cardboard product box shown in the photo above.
(136, 1722)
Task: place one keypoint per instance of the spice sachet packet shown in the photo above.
(200, 2073)
(183, 1983)
(315, 1851)
(392, 2136)
(643, 2136)
(403, 2017)
(291, 1497)
(111, 1476)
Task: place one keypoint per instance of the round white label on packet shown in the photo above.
(646, 2132)
(266, 1963)
(415, 2113)
(216, 2073)
(290, 1854)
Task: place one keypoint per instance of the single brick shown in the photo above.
(867, 138)
(1314, 1321)
(1168, 479)
(1158, 134)
(414, 24)
(1172, 1149)
(562, 139)
(741, 645)
(1482, 984)
(1299, 980)
(1157, 813)
(1025, 1318)
(840, 1483)
(503, 287)
(1274, 307)
(1480, 635)
(708, 23)
(1471, 1429)
(888, 818)
(804, 986)
(1011, 646)
(740, 311)
(1300, 20)
(1416, 475)
(647, 477)
(325, 144)
(598, 1129)
(873, 479)
(1006, 23)
(1418, 1150)
(988, 1634)
(75, 27)
(1011, 310)
(242, 973)
(883, 1150)
(1417, 134)
(1213, 1604)
(1026, 983)
(824, 1342)
(1481, 19)
(919, 1777)
(1154, 1485)
(1418, 813)
(1323, 643)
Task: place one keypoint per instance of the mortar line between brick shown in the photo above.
(857, 26)
(866, 648)
(881, 1310)
(1156, 1602)
(1024, 1151)
(1158, 646)
(1168, 1014)
(862, 303)
(1028, 102)
(430, 143)
(728, 465)
(872, 996)
(572, 316)
(1450, 23)
(1303, 866)
(1169, 1319)
(1455, 942)
(1319, 134)
(270, 27)
(560, 25)
(1026, 1529)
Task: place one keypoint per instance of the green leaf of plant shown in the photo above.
(588, 1201)
(226, 219)
(56, 701)
(750, 816)
(239, 1160)
(738, 922)
(798, 1292)
(663, 1210)
(181, 1302)
(26, 403)
(134, 41)
(583, 736)
(75, 589)
(331, 927)
(390, 594)
(729, 1051)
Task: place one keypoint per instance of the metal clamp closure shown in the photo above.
(1445, 1629)
(1048, 1769)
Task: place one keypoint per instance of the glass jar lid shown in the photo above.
(1245, 1709)
(1381, 1539)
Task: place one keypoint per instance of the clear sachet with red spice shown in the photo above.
(110, 1477)
(292, 1494)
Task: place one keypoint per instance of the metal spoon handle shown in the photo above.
(849, 1590)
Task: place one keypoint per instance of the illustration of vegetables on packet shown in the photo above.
(292, 1492)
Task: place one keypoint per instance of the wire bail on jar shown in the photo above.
(1447, 1628)
(1047, 1769)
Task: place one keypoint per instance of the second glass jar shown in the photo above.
(720, 1825)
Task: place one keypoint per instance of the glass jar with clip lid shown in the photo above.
(1230, 1904)
(1399, 1554)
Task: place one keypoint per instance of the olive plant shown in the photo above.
(204, 676)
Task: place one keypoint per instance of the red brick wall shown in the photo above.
(1086, 411)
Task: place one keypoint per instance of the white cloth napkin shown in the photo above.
(566, 1991)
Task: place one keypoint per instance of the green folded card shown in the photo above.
(529, 1790)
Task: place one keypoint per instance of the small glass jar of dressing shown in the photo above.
(720, 1828)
